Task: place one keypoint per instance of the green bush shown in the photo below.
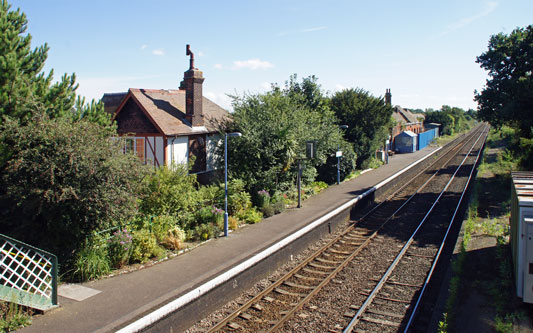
(160, 226)
(263, 198)
(268, 210)
(278, 206)
(239, 201)
(64, 180)
(91, 262)
(119, 248)
(250, 216)
(170, 191)
(205, 231)
(210, 214)
(144, 247)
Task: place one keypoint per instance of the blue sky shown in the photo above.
(424, 51)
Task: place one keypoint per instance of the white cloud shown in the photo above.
(219, 98)
(201, 54)
(218, 66)
(314, 29)
(144, 46)
(339, 87)
(304, 30)
(252, 64)
(266, 85)
(489, 8)
(158, 52)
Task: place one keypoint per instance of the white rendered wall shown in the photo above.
(212, 142)
(178, 150)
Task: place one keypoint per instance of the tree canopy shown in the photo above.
(451, 119)
(24, 88)
(275, 126)
(65, 179)
(368, 117)
(507, 98)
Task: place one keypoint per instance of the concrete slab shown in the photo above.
(76, 292)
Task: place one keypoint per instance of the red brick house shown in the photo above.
(405, 119)
(169, 126)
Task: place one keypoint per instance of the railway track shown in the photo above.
(395, 297)
(274, 308)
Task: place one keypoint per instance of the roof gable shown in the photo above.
(165, 109)
(132, 119)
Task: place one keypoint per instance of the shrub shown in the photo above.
(239, 201)
(91, 262)
(160, 226)
(119, 248)
(278, 206)
(144, 247)
(64, 180)
(205, 231)
(210, 214)
(169, 191)
(211, 194)
(263, 198)
(233, 223)
(250, 216)
(174, 238)
(268, 210)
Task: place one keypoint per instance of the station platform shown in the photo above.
(129, 302)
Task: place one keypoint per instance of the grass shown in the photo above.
(13, 317)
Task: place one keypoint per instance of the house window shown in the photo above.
(129, 145)
(197, 149)
(135, 146)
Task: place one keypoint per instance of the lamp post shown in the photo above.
(226, 179)
(339, 154)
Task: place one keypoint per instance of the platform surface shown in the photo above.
(125, 297)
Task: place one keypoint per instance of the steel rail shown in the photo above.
(454, 147)
(441, 247)
(393, 265)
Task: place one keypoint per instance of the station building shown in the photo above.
(165, 126)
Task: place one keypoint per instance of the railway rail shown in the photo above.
(274, 308)
(387, 309)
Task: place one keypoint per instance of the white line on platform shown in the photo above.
(204, 288)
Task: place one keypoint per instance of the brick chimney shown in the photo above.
(192, 83)
(388, 97)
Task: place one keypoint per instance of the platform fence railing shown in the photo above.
(28, 275)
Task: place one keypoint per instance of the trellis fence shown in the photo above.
(28, 275)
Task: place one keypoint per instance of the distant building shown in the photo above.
(405, 119)
(169, 126)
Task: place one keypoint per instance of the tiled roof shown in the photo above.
(112, 101)
(404, 116)
(166, 108)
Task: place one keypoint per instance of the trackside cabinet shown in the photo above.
(522, 233)
(528, 265)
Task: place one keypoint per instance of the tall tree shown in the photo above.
(275, 126)
(368, 117)
(24, 88)
(507, 98)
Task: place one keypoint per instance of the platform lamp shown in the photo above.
(226, 179)
(339, 155)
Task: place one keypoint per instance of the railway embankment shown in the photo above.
(479, 293)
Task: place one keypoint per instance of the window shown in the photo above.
(135, 146)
